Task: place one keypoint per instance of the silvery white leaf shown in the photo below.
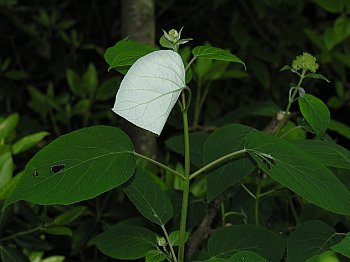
(150, 90)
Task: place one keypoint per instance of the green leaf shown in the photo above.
(6, 191)
(165, 43)
(223, 141)
(332, 6)
(28, 142)
(6, 168)
(328, 256)
(155, 256)
(59, 231)
(90, 79)
(215, 53)
(343, 247)
(340, 128)
(77, 166)
(300, 172)
(197, 139)
(126, 242)
(126, 52)
(75, 83)
(286, 67)
(310, 238)
(230, 240)
(328, 153)
(108, 89)
(149, 199)
(69, 215)
(174, 238)
(246, 256)
(315, 112)
(8, 125)
(317, 76)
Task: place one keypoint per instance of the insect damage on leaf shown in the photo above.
(57, 168)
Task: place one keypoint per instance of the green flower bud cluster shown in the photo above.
(173, 40)
(305, 62)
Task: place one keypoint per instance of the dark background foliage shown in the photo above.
(48, 46)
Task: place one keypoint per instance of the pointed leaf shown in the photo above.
(149, 199)
(126, 242)
(90, 79)
(343, 247)
(155, 256)
(126, 52)
(215, 53)
(59, 231)
(315, 112)
(6, 168)
(77, 166)
(174, 238)
(340, 128)
(150, 90)
(299, 171)
(330, 154)
(246, 256)
(70, 215)
(311, 238)
(28, 142)
(223, 141)
(8, 125)
(317, 76)
(227, 241)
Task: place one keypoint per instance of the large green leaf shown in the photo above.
(315, 112)
(197, 139)
(149, 199)
(126, 242)
(299, 171)
(330, 154)
(215, 53)
(77, 166)
(343, 247)
(311, 238)
(126, 52)
(223, 141)
(227, 241)
(246, 256)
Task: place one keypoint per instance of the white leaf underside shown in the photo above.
(150, 90)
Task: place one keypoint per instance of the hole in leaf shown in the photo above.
(57, 168)
(35, 174)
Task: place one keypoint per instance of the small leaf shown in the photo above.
(8, 125)
(310, 238)
(300, 172)
(90, 79)
(69, 215)
(315, 112)
(77, 166)
(166, 43)
(155, 256)
(215, 53)
(174, 238)
(286, 67)
(149, 199)
(28, 142)
(126, 52)
(150, 90)
(126, 242)
(221, 142)
(6, 191)
(75, 83)
(340, 128)
(225, 242)
(59, 231)
(246, 256)
(343, 247)
(328, 153)
(107, 89)
(6, 168)
(317, 76)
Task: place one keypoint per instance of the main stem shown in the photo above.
(186, 183)
(291, 100)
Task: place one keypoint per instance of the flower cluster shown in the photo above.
(305, 62)
(173, 39)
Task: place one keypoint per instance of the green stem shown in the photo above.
(35, 229)
(190, 63)
(257, 199)
(186, 183)
(271, 191)
(170, 245)
(223, 216)
(160, 165)
(291, 100)
(218, 161)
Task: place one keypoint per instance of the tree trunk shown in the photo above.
(138, 23)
